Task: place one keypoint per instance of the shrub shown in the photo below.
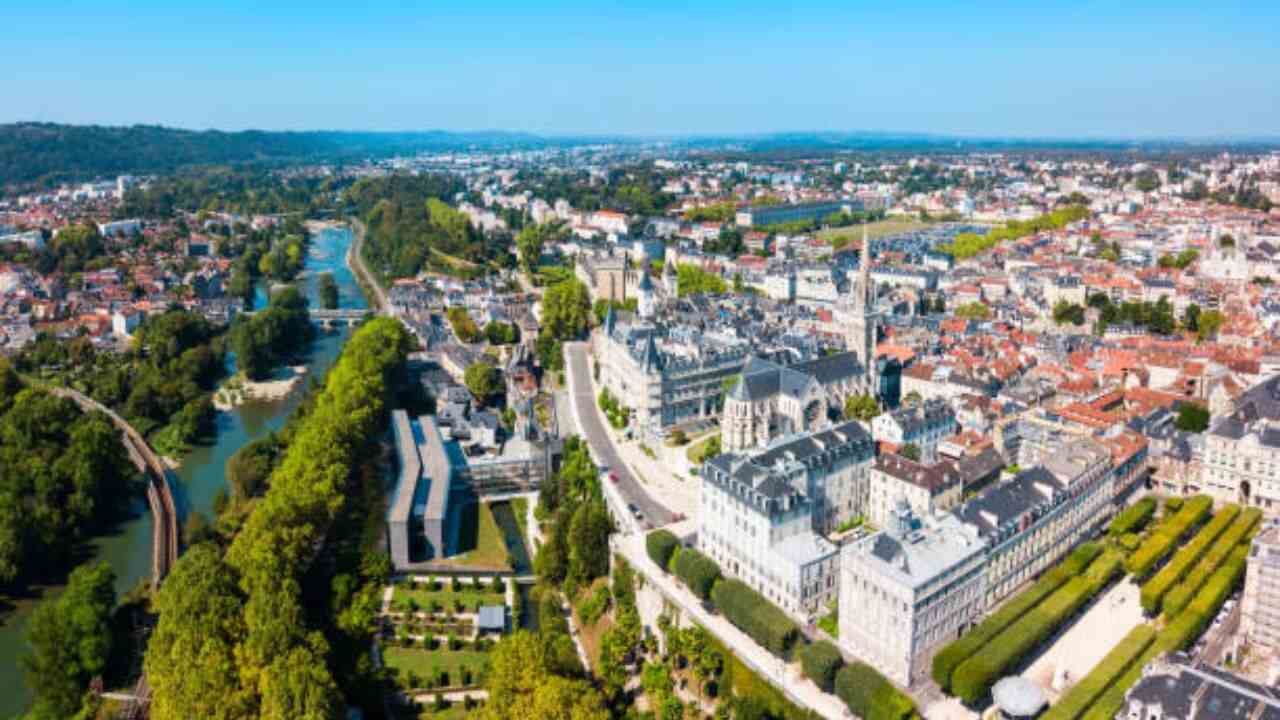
(1153, 590)
(697, 571)
(1133, 518)
(974, 677)
(949, 658)
(1083, 694)
(1177, 635)
(1165, 537)
(1178, 598)
(869, 695)
(820, 662)
(755, 616)
(661, 545)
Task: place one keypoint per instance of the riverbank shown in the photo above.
(239, 390)
(201, 476)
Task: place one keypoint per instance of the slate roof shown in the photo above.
(1191, 692)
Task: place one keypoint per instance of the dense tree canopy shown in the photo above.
(236, 638)
(410, 229)
(70, 640)
(272, 336)
(693, 280)
(63, 476)
(484, 381)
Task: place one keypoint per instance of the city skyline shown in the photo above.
(1049, 72)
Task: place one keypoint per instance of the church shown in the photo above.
(771, 401)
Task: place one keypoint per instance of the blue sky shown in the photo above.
(1029, 69)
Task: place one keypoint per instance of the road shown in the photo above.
(578, 373)
(355, 260)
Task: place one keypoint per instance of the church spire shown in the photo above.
(864, 271)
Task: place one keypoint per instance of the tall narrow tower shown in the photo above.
(861, 321)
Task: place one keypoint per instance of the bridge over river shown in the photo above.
(164, 513)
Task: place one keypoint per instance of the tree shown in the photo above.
(191, 661)
(327, 288)
(973, 311)
(1210, 322)
(463, 326)
(820, 662)
(693, 280)
(1192, 417)
(912, 398)
(661, 545)
(70, 639)
(1067, 312)
(566, 310)
(484, 381)
(531, 240)
(524, 682)
(861, 407)
(1191, 318)
(589, 530)
(499, 333)
(910, 451)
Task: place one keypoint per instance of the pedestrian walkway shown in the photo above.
(786, 677)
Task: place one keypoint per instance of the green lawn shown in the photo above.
(446, 597)
(697, 451)
(426, 663)
(840, 237)
(480, 542)
(456, 711)
(520, 508)
(830, 624)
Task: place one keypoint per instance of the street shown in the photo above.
(578, 373)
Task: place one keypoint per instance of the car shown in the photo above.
(613, 477)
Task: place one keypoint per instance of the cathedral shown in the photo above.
(770, 401)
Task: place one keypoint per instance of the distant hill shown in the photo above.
(44, 154)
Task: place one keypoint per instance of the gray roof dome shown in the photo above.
(1018, 697)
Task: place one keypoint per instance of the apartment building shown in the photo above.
(909, 590)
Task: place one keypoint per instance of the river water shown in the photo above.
(201, 474)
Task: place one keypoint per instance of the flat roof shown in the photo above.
(410, 467)
(436, 469)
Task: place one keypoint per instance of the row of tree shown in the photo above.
(245, 634)
(966, 245)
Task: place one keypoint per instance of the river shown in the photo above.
(201, 474)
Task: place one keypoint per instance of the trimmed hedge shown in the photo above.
(1177, 635)
(751, 613)
(1166, 536)
(820, 662)
(949, 658)
(1084, 693)
(1133, 518)
(972, 680)
(661, 545)
(1179, 597)
(697, 571)
(1153, 591)
(870, 696)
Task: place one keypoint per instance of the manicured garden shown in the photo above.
(419, 668)
(1186, 594)
(436, 596)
